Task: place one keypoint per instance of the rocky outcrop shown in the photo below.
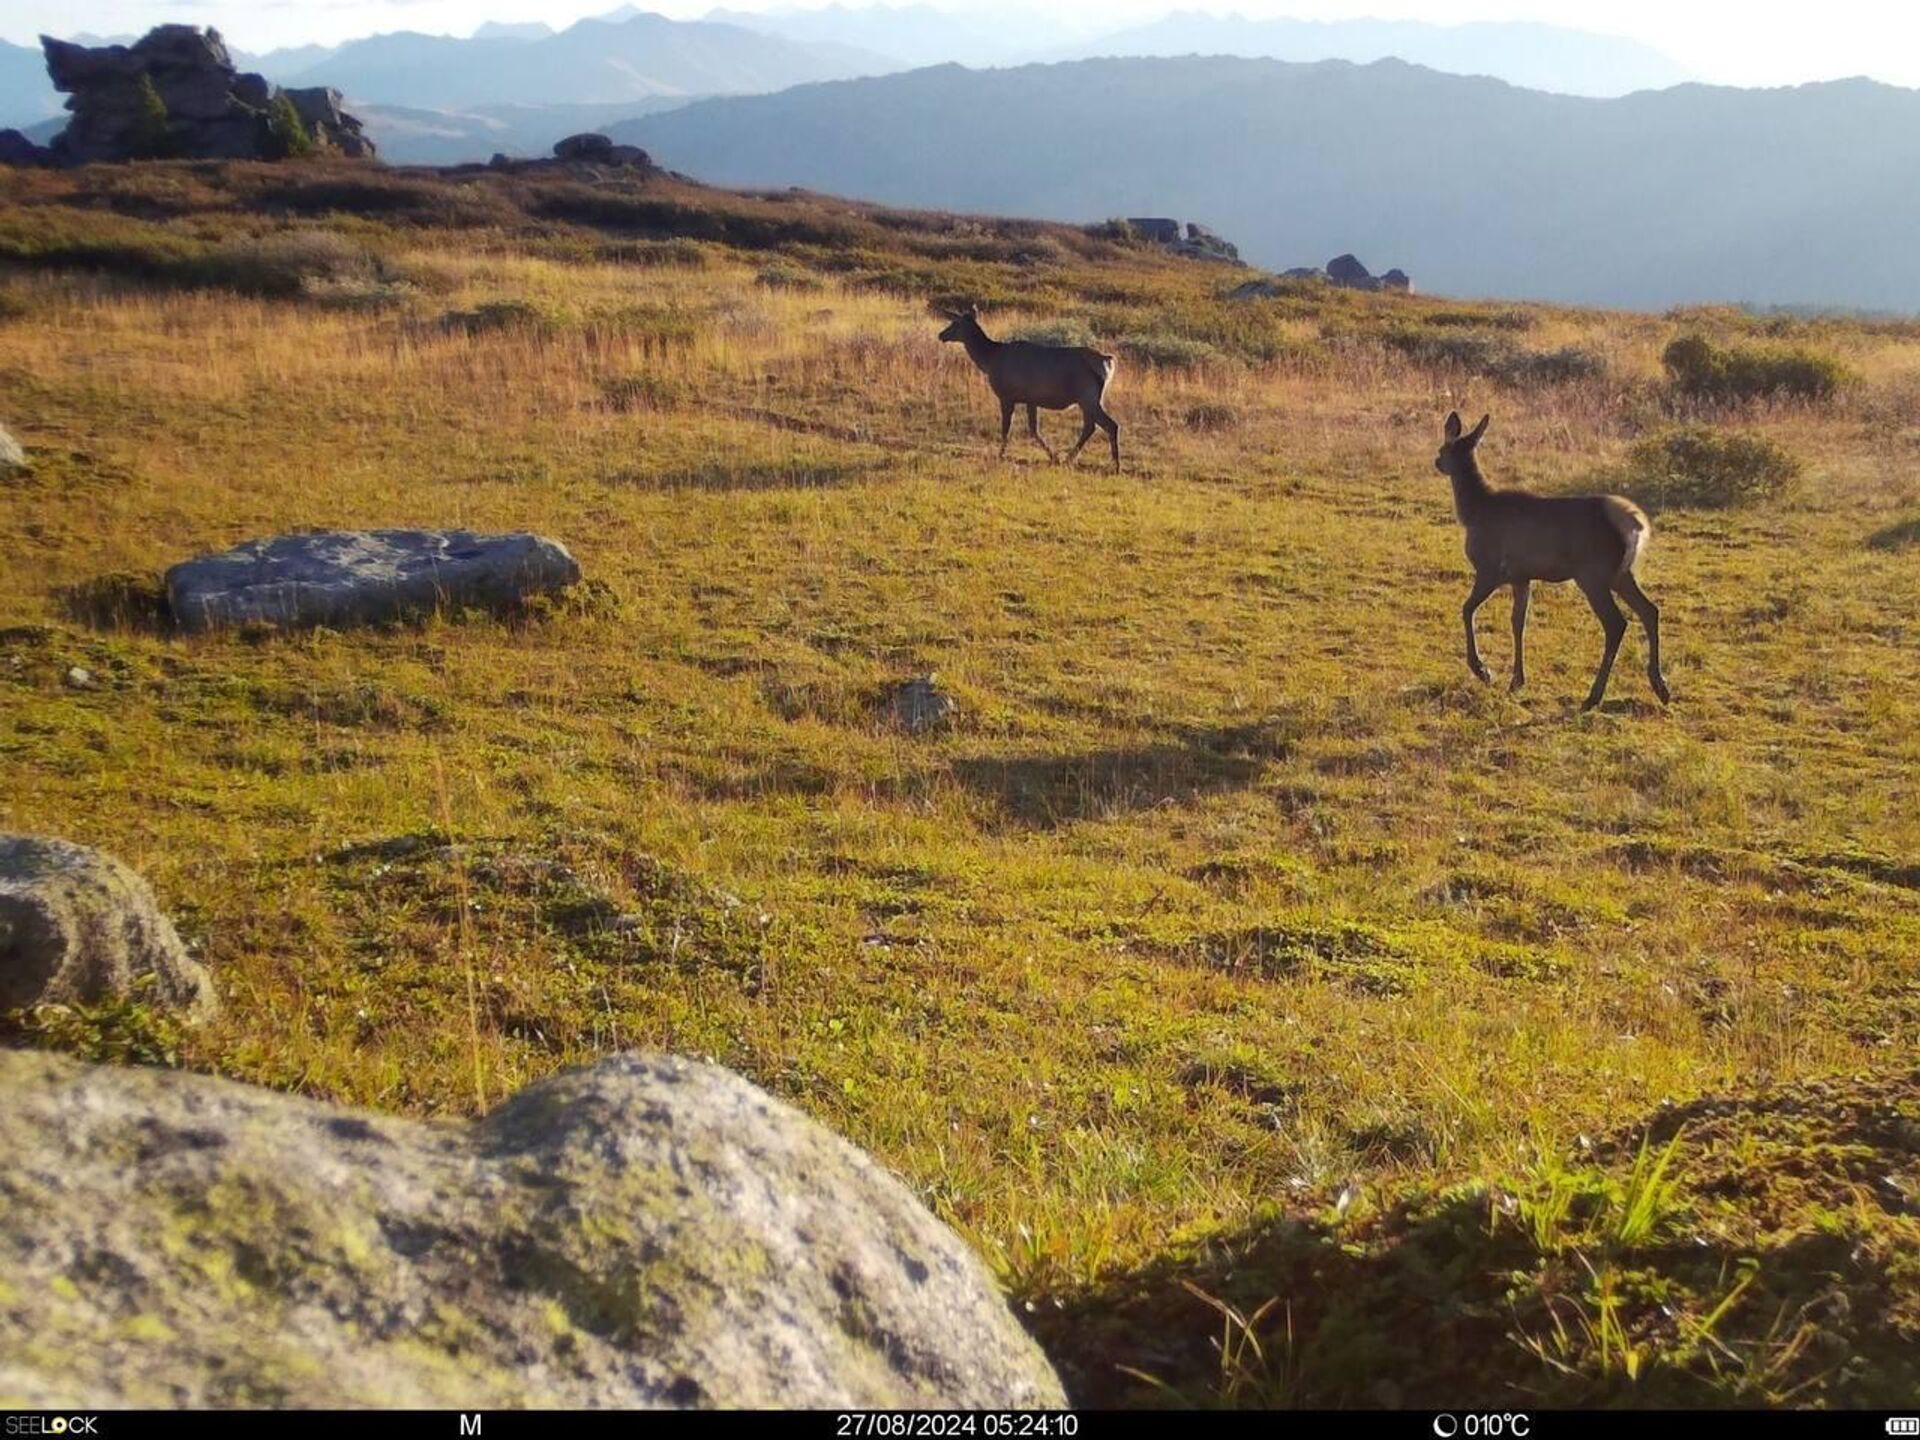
(1198, 243)
(1348, 273)
(646, 1232)
(76, 925)
(176, 93)
(342, 578)
(601, 150)
(1157, 229)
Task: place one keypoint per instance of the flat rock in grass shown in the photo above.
(919, 705)
(13, 458)
(76, 925)
(343, 578)
(646, 1232)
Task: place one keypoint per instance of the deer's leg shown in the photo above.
(1615, 624)
(1628, 589)
(1006, 425)
(1086, 434)
(1112, 427)
(1033, 429)
(1522, 593)
(1483, 586)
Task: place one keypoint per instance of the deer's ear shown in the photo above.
(1473, 436)
(1453, 426)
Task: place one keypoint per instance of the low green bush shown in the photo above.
(1698, 466)
(1702, 370)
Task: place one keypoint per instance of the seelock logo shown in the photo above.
(51, 1425)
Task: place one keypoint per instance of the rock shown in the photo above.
(1158, 229)
(1304, 272)
(77, 925)
(920, 704)
(631, 156)
(211, 111)
(1397, 280)
(341, 578)
(1206, 242)
(22, 150)
(13, 456)
(81, 678)
(1347, 272)
(646, 1232)
(1256, 290)
(587, 146)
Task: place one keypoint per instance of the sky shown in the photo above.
(1733, 42)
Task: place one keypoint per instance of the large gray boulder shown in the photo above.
(76, 925)
(644, 1232)
(342, 578)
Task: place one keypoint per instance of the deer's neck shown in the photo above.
(981, 349)
(1471, 493)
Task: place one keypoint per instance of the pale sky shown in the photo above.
(1735, 42)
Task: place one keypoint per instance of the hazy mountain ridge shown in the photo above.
(1796, 195)
(591, 62)
(1538, 56)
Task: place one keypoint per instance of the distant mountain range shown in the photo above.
(1792, 196)
(629, 55)
(1540, 57)
(26, 95)
(592, 62)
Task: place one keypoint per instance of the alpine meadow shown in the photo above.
(1286, 1017)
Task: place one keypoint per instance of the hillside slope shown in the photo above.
(1478, 188)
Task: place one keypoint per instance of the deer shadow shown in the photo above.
(1046, 791)
(1895, 537)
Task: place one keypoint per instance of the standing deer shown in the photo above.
(1514, 538)
(1040, 377)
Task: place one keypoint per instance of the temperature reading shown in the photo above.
(1475, 1426)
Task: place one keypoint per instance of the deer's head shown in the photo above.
(1456, 451)
(964, 323)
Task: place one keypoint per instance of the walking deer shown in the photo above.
(1040, 377)
(1514, 538)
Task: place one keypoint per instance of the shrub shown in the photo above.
(1698, 466)
(151, 137)
(1163, 351)
(283, 264)
(1705, 371)
(1054, 332)
(688, 253)
(496, 316)
(1553, 367)
(1494, 356)
(1210, 417)
(784, 275)
(287, 129)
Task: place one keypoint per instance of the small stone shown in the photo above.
(81, 678)
(918, 705)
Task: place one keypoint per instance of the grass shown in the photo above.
(1286, 1017)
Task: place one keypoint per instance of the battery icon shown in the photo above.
(1903, 1424)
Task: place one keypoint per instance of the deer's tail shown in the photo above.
(1634, 528)
(1103, 368)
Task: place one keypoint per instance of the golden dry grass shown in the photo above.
(1227, 895)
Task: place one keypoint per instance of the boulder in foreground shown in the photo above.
(342, 578)
(76, 925)
(644, 1232)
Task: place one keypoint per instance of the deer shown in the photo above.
(1040, 377)
(1515, 538)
